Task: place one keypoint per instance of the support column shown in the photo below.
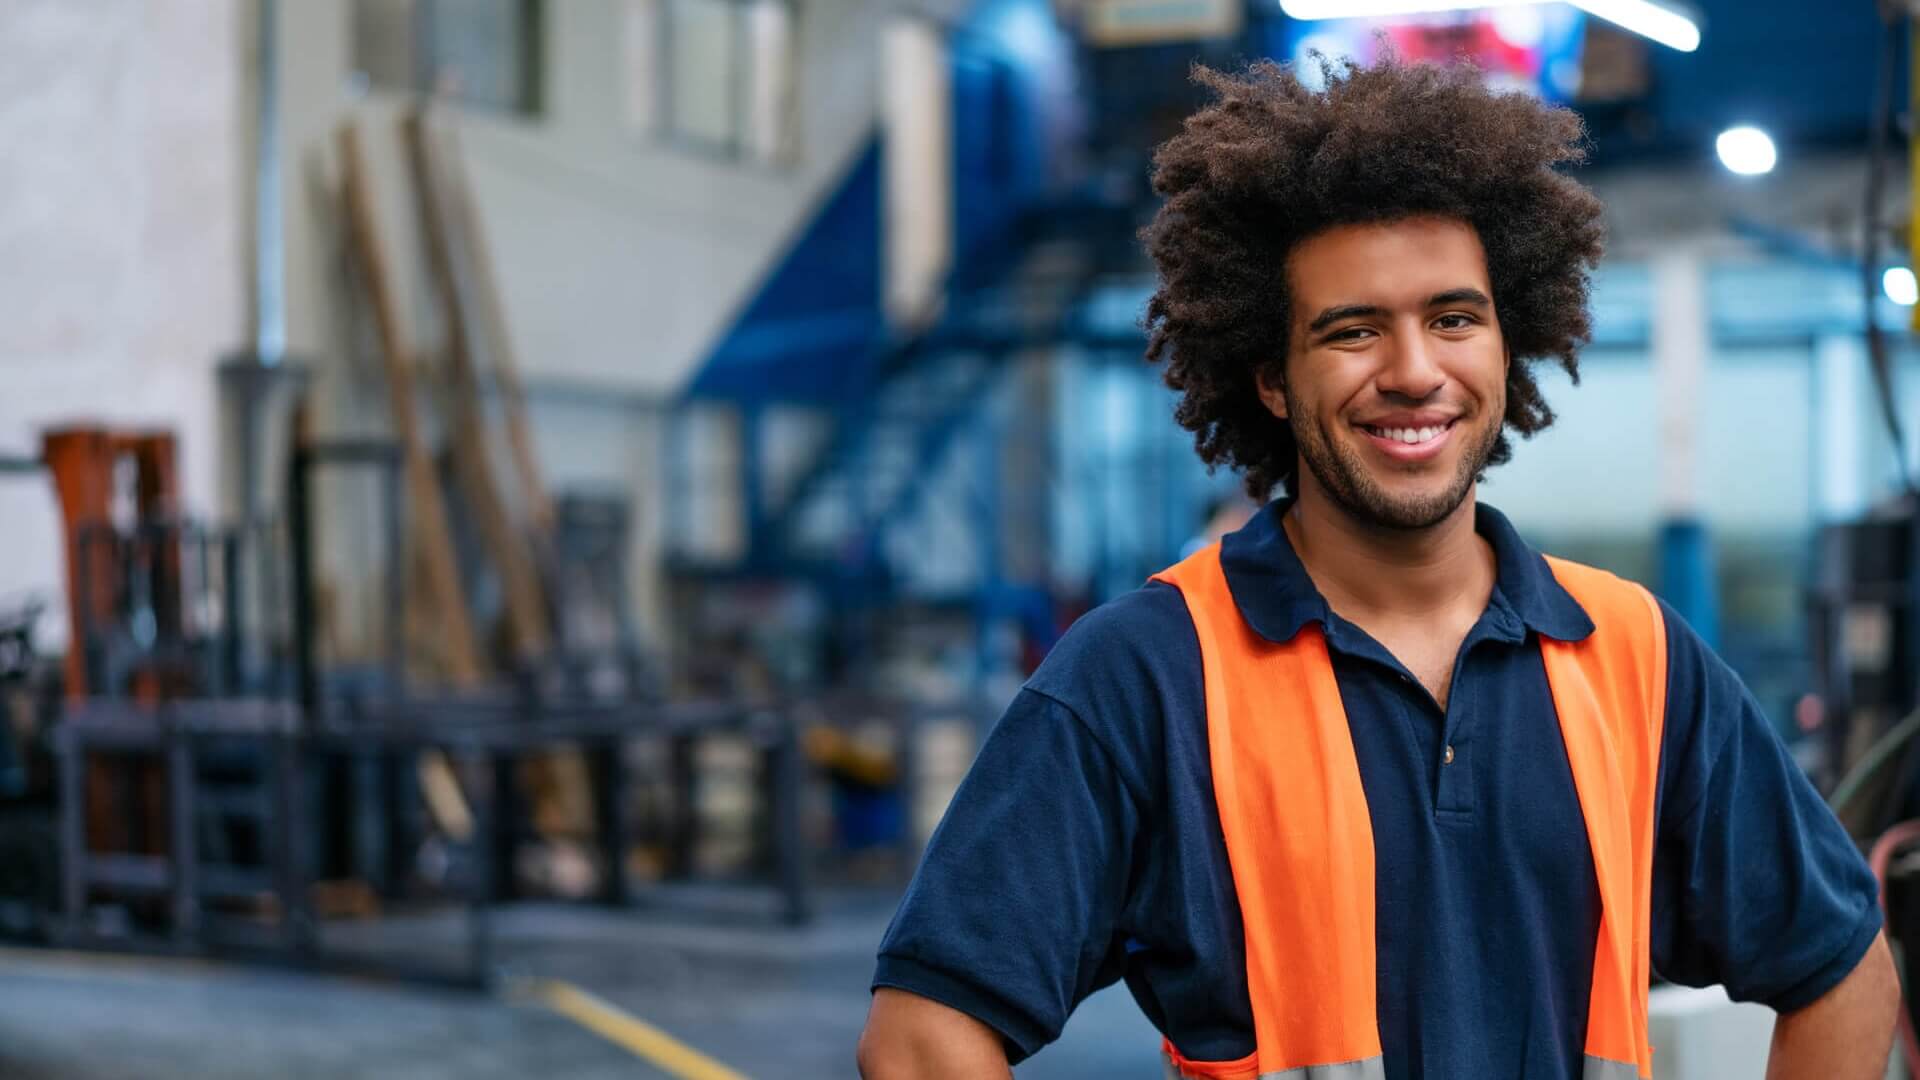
(1682, 344)
(1841, 428)
(916, 119)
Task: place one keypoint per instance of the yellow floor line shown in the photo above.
(623, 1029)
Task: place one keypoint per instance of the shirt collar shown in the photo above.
(1271, 588)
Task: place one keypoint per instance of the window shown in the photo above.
(714, 74)
(484, 53)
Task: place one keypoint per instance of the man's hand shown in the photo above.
(909, 1037)
(1847, 1033)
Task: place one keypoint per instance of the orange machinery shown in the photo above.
(91, 467)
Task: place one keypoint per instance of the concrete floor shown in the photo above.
(762, 1000)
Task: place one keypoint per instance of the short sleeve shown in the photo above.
(1011, 916)
(1756, 884)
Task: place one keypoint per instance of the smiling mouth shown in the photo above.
(1409, 436)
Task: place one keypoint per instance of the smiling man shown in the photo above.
(1370, 788)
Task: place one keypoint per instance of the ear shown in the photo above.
(1272, 394)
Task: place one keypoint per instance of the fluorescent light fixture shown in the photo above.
(1901, 286)
(1746, 150)
(1648, 19)
(1644, 17)
(1371, 9)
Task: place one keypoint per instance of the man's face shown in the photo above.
(1396, 370)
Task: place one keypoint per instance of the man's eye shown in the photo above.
(1351, 333)
(1453, 322)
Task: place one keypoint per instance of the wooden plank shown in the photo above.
(498, 340)
(457, 651)
(441, 790)
(507, 547)
(560, 786)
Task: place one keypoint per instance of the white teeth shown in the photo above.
(1410, 436)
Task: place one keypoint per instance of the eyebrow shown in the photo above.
(1345, 311)
(1468, 295)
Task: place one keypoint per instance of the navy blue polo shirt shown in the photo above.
(1084, 846)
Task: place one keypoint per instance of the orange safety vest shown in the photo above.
(1300, 839)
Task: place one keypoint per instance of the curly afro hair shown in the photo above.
(1271, 162)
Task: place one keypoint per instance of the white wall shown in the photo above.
(122, 209)
(1755, 475)
(622, 260)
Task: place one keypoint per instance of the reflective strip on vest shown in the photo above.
(1370, 1069)
(1375, 1069)
(1593, 1068)
(1299, 836)
(1602, 1069)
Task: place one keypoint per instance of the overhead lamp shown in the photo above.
(1372, 9)
(1746, 150)
(1901, 286)
(1656, 22)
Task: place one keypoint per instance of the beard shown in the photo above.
(1348, 481)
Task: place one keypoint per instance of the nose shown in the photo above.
(1410, 367)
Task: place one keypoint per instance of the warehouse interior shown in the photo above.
(519, 513)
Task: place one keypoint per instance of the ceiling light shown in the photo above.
(1648, 19)
(1901, 286)
(1746, 150)
(1372, 9)
(1644, 17)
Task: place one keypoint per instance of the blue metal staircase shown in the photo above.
(1023, 289)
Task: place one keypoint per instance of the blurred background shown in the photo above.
(536, 502)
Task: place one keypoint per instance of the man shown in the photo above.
(1369, 788)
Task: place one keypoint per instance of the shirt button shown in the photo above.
(1447, 758)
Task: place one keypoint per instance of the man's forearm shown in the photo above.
(1846, 1034)
(912, 1038)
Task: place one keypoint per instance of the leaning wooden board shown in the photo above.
(498, 343)
(457, 651)
(437, 603)
(507, 545)
(559, 784)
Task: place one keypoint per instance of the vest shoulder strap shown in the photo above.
(1610, 690)
(1629, 640)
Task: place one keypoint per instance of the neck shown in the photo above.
(1365, 569)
